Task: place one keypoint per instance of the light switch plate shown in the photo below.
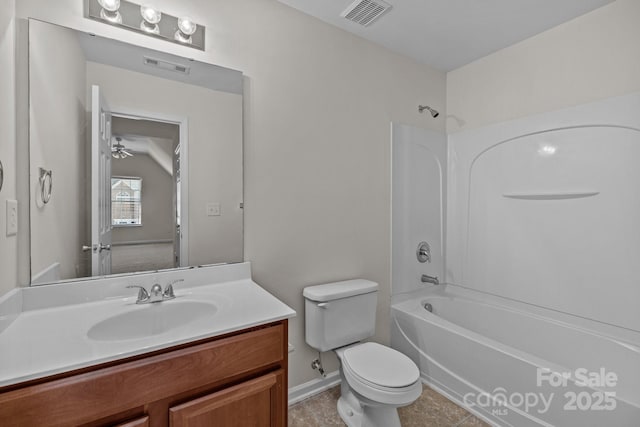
(12, 217)
(213, 209)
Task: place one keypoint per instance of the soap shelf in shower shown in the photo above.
(560, 195)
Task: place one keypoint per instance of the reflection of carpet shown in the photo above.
(128, 259)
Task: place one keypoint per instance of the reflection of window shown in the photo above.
(126, 205)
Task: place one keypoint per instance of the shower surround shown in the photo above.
(540, 272)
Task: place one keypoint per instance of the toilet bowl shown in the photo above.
(375, 379)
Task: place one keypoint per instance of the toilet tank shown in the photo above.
(340, 313)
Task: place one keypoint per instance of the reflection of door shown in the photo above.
(100, 184)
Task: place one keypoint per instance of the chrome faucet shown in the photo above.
(430, 279)
(155, 294)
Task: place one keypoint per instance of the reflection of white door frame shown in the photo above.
(183, 124)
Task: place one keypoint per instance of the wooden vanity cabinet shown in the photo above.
(236, 380)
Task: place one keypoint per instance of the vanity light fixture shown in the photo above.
(109, 11)
(150, 19)
(147, 19)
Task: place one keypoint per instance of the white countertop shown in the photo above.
(44, 341)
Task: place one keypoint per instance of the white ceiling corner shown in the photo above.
(447, 34)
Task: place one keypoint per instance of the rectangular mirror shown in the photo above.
(135, 158)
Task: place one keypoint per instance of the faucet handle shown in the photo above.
(143, 295)
(168, 291)
(423, 252)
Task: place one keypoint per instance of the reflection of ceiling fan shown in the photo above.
(118, 151)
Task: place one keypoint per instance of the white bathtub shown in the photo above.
(498, 358)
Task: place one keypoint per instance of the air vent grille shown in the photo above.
(166, 65)
(365, 12)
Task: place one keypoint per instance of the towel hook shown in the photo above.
(46, 185)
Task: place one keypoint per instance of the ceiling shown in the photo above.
(447, 34)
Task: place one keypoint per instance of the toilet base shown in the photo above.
(355, 414)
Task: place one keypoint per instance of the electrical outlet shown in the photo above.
(12, 217)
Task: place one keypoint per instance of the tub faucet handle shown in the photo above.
(423, 252)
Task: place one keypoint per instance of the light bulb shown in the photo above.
(110, 5)
(109, 11)
(150, 19)
(150, 14)
(186, 27)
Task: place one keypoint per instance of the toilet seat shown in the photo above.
(381, 374)
(381, 365)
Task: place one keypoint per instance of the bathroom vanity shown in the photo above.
(109, 361)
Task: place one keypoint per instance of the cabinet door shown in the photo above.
(140, 422)
(257, 403)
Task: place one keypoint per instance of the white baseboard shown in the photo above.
(313, 387)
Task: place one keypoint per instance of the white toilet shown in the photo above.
(376, 379)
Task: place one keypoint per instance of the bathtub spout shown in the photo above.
(430, 279)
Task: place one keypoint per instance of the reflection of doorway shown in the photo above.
(145, 196)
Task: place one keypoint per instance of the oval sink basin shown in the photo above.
(151, 319)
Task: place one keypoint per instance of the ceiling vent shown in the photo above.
(166, 65)
(365, 12)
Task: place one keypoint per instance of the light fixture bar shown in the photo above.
(183, 31)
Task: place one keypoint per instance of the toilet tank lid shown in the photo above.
(337, 290)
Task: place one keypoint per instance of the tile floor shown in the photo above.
(430, 410)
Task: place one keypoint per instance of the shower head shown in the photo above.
(434, 113)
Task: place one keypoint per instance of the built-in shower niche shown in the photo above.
(552, 220)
